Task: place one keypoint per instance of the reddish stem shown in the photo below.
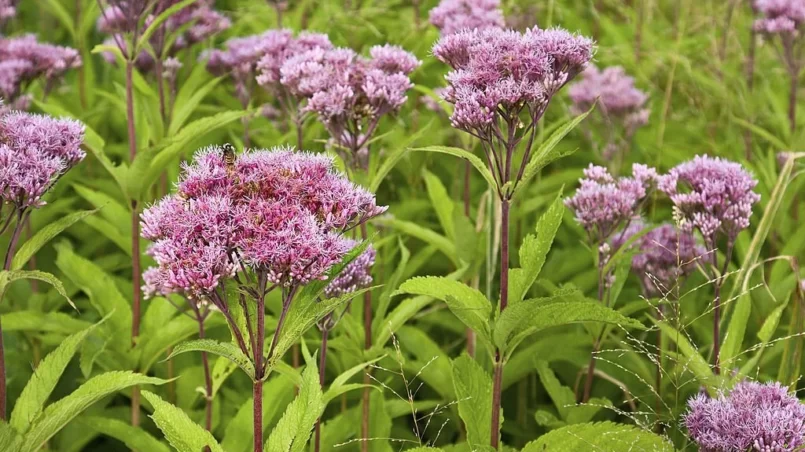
(367, 328)
(258, 415)
(325, 333)
(504, 301)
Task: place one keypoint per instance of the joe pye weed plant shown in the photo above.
(382, 225)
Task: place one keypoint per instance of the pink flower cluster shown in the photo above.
(35, 151)
(665, 254)
(754, 416)
(193, 23)
(779, 16)
(496, 69)
(261, 56)
(615, 91)
(452, 16)
(602, 203)
(23, 59)
(8, 9)
(348, 92)
(712, 195)
(279, 212)
(357, 275)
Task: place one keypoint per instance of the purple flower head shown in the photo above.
(754, 416)
(779, 16)
(23, 59)
(712, 195)
(35, 151)
(451, 16)
(504, 69)
(280, 48)
(665, 254)
(347, 92)
(191, 245)
(7, 9)
(612, 88)
(191, 24)
(357, 274)
(280, 212)
(602, 203)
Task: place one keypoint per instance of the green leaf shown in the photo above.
(56, 8)
(294, 428)
(158, 21)
(305, 312)
(10, 439)
(340, 386)
(466, 303)
(562, 396)
(44, 235)
(7, 277)
(528, 317)
(181, 432)
(386, 168)
(32, 399)
(103, 294)
(239, 433)
(47, 322)
(442, 203)
(57, 415)
(474, 393)
(155, 345)
(134, 438)
(149, 165)
(183, 109)
(599, 436)
(547, 153)
(458, 152)
(227, 350)
(442, 243)
(694, 362)
(534, 251)
(733, 339)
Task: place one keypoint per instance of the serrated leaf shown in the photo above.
(7, 277)
(292, 432)
(41, 384)
(599, 436)
(135, 438)
(44, 235)
(458, 152)
(181, 432)
(466, 303)
(474, 393)
(10, 439)
(528, 317)
(58, 414)
(227, 350)
(534, 251)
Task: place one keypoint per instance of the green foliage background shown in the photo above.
(689, 56)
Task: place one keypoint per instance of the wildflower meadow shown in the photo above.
(402, 225)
